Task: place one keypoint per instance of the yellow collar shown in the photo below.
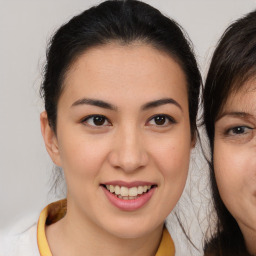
(57, 210)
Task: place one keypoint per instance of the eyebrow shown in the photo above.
(106, 105)
(157, 103)
(238, 114)
(97, 103)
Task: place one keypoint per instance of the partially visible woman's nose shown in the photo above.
(128, 150)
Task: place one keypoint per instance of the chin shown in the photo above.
(132, 231)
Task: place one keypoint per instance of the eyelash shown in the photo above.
(234, 131)
(85, 120)
(167, 118)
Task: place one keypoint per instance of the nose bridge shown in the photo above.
(129, 150)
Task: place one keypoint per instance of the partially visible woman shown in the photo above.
(230, 121)
(121, 91)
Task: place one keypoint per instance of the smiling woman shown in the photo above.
(121, 93)
(125, 142)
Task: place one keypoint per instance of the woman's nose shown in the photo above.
(128, 151)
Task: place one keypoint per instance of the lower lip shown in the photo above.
(129, 205)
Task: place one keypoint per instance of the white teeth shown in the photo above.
(140, 190)
(111, 188)
(117, 190)
(124, 191)
(127, 193)
(133, 191)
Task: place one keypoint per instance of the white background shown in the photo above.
(25, 28)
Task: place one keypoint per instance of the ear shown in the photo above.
(50, 139)
(194, 139)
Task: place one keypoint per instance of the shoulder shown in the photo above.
(16, 242)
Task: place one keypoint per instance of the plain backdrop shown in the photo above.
(25, 28)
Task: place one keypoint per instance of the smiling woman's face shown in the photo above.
(235, 158)
(123, 138)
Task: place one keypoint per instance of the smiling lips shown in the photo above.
(128, 193)
(128, 197)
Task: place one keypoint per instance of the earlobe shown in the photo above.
(193, 143)
(194, 140)
(50, 139)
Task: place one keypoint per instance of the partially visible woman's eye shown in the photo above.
(239, 130)
(161, 120)
(96, 121)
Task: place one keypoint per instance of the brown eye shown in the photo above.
(161, 120)
(96, 120)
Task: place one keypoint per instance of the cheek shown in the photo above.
(232, 171)
(173, 156)
(224, 171)
(83, 155)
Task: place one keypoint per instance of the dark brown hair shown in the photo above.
(125, 22)
(233, 63)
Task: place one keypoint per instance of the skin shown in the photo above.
(235, 161)
(130, 146)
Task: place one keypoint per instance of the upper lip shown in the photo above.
(128, 184)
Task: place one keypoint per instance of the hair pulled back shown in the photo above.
(119, 21)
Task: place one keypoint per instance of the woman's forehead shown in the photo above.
(244, 98)
(117, 67)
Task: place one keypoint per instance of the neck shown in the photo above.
(74, 235)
